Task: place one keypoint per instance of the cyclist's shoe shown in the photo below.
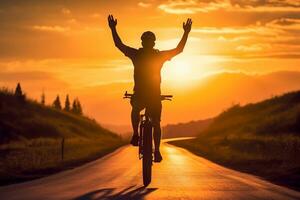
(157, 156)
(135, 140)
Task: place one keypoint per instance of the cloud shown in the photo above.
(144, 5)
(233, 39)
(253, 29)
(55, 28)
(277, 38)
(95, 15)
(66, 11)
(264, 9)
(280, 55)
(195, 6)
(225, 30)
(273, 4)
(72, 21)
(286, 21)
(285, 24)
(192, 6)
(252, 48)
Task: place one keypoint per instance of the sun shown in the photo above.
(186, 72)
(178, 70)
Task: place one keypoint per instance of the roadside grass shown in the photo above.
(262, 139)
(35, 158)
(237, 150)
(275, 159)
(39, 154)
(31, 139)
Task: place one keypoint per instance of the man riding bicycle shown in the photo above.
(147, 63)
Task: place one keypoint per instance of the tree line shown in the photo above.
(75, 108)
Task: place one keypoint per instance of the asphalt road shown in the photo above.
(181, 175)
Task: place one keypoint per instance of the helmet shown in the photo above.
(148, 36)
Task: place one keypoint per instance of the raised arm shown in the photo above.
(128, 51)
(168, 54)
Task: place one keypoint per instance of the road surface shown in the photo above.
(181, 175)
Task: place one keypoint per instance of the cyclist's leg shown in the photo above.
(135, 119)
(156, 116)
(157, 134)
(157, 138)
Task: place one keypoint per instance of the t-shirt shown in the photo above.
(147, 69)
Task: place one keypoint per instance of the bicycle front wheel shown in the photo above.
(147, 153)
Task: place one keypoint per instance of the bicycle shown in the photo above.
(145, 140)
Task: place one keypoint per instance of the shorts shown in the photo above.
(152, 104)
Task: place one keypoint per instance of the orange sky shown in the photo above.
(66, 47)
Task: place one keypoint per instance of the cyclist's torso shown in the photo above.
(147, 69)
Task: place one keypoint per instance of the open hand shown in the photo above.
(112, 22)
(187, 25)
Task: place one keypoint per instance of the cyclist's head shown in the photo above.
(148, 39)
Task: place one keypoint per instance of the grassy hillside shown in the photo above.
(188, 129)
(31, 139)
(261, 138)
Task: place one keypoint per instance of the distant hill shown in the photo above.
(123, 130)
(188, 129)
(261, 138)
(32, 144)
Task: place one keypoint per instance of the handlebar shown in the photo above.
(162, 97)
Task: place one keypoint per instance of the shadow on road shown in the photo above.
(109, 193)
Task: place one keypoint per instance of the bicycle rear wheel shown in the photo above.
(147, 153)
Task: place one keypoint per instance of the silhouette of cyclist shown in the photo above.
(147, 63)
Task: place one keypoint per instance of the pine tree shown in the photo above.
(67, 104)
(43, 98)
(79, 107)
(56, 103)
(18, 91)
(19, 94)
(74, 106)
